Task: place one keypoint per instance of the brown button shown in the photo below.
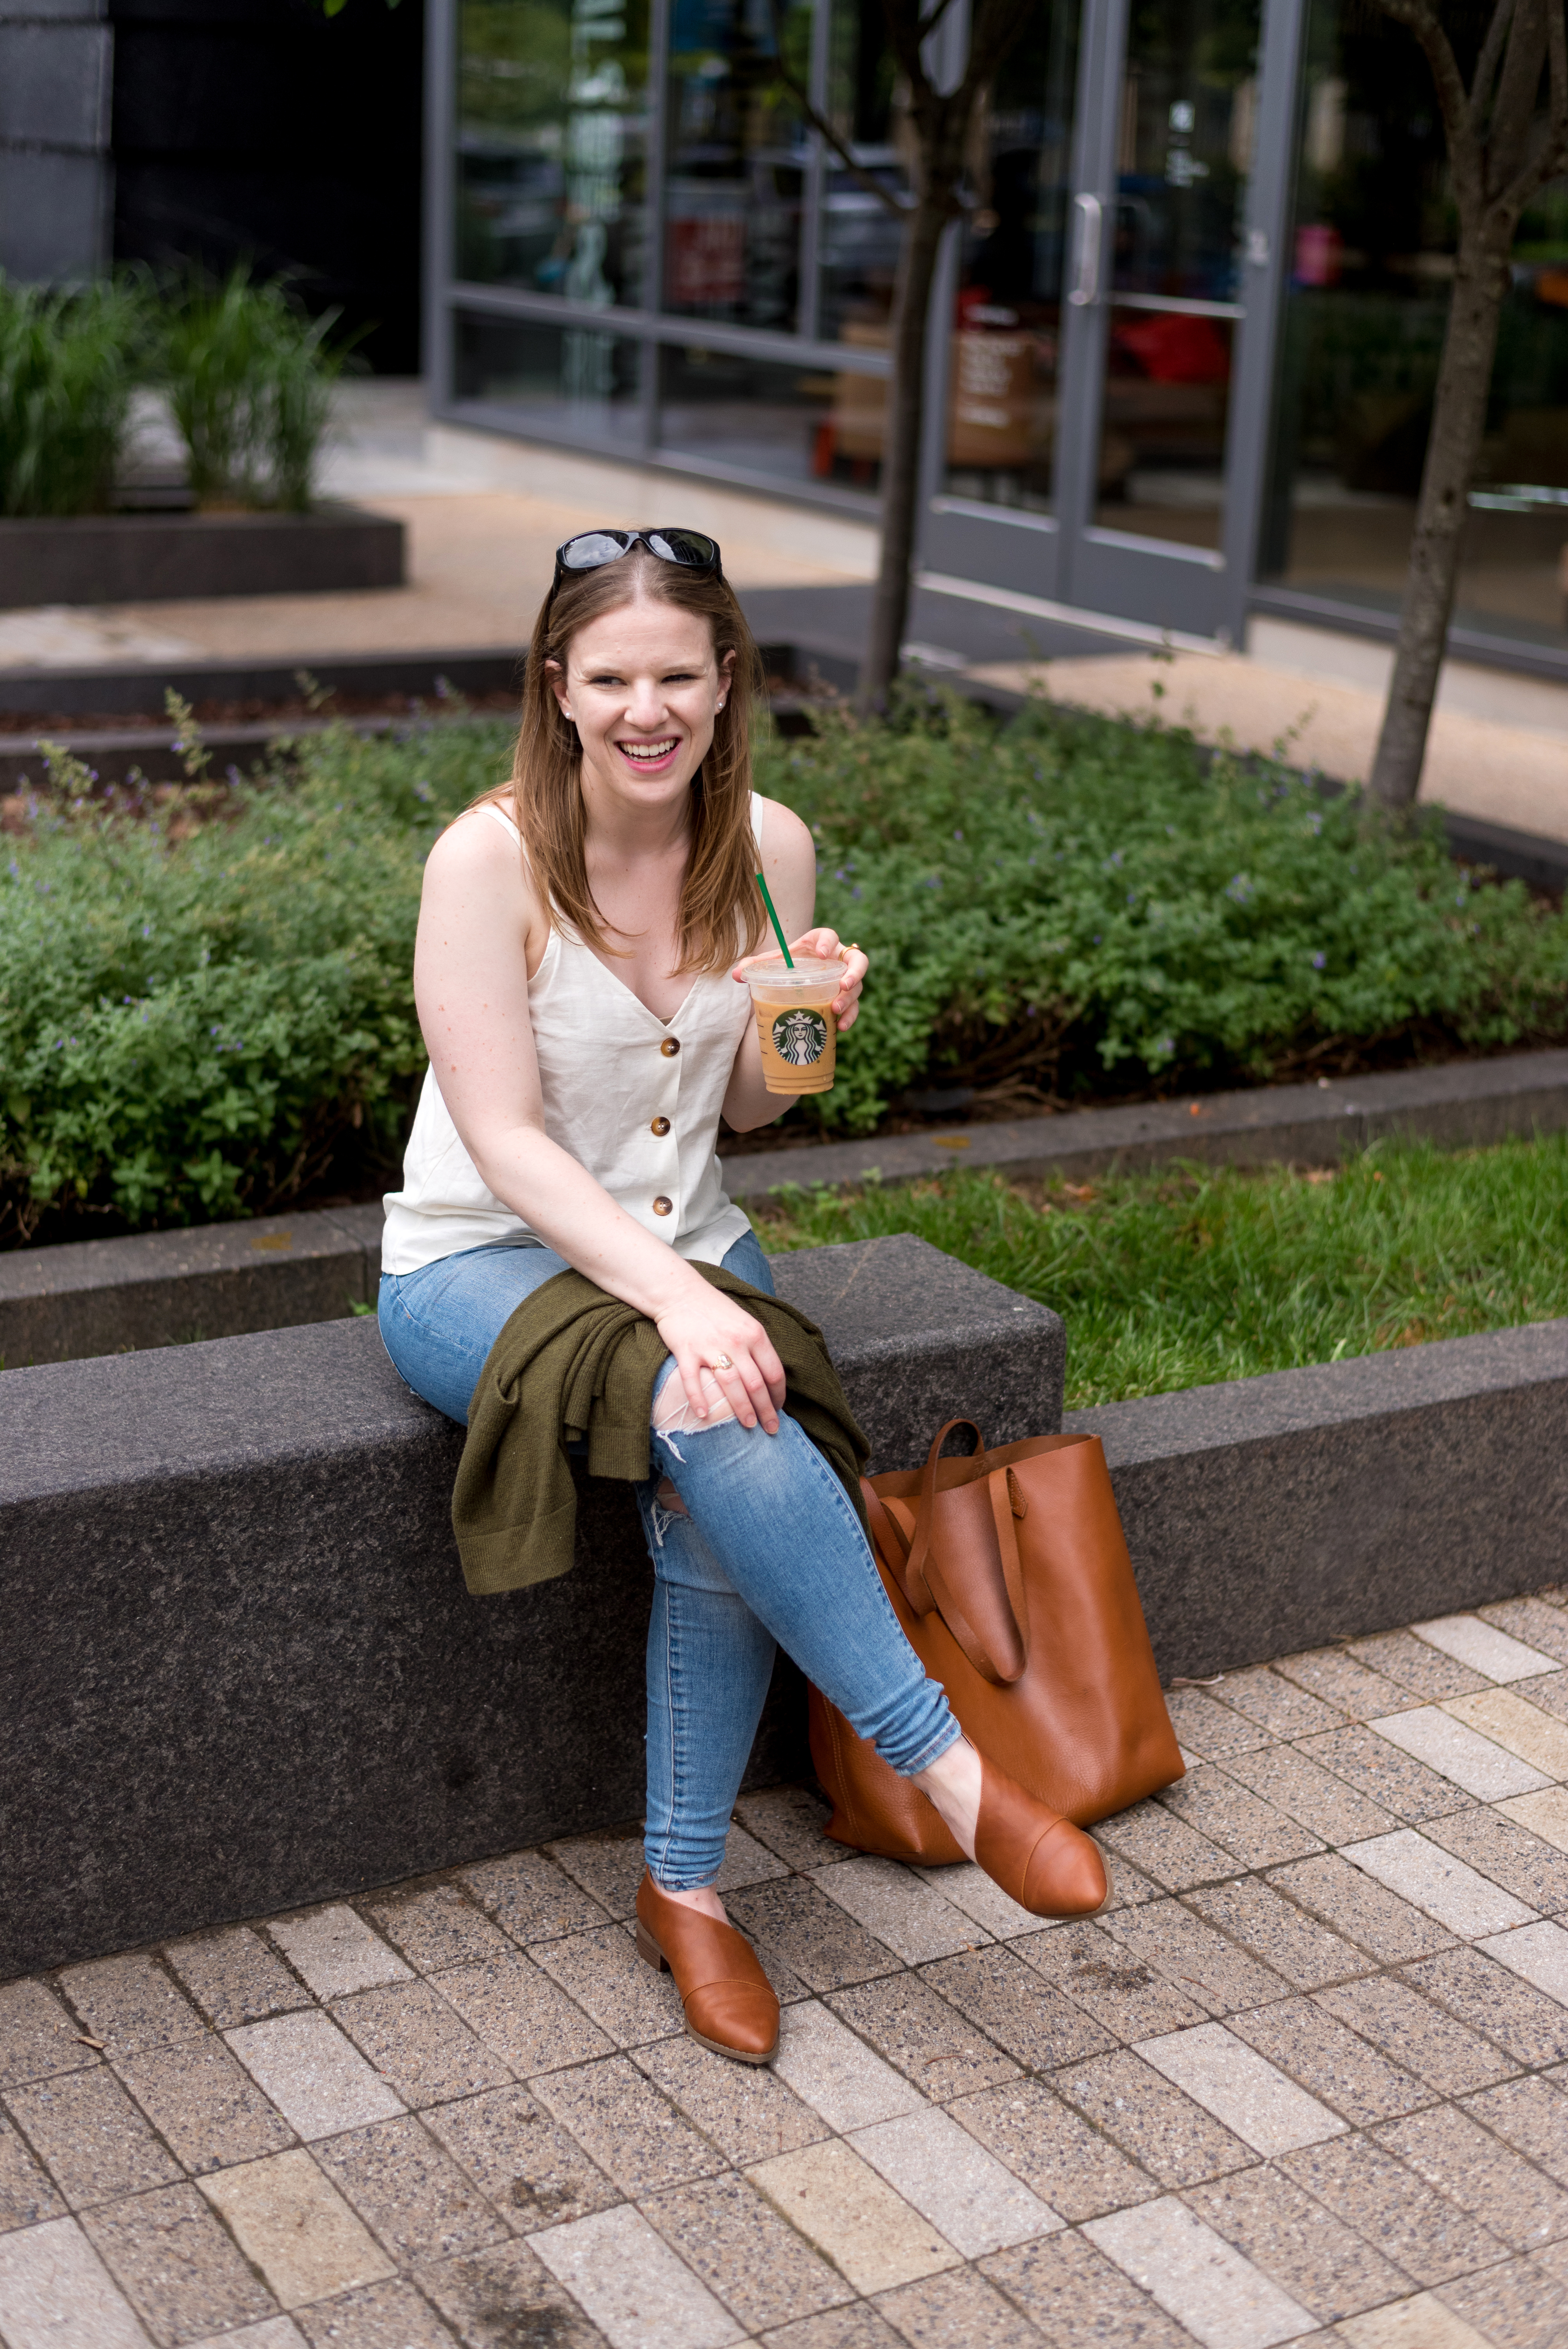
(663, 1207)
(661, 1126)
(670, 1047)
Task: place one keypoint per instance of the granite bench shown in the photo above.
(239, 1670)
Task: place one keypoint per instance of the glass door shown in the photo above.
(998, 315)
(1156, 296)
(1158, 271)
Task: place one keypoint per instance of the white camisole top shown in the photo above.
(636, 1099)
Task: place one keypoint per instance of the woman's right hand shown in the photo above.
(705, 1329)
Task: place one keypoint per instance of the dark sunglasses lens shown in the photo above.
(689, 548)
(593, 549)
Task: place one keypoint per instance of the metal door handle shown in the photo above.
(1090, 216)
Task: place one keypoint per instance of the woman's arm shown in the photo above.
(477, 922)
(789, 862)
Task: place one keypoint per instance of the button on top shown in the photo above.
(670, 1047)
(663, 1206)
(661, 1126)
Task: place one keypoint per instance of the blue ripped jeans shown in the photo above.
(770, 1550)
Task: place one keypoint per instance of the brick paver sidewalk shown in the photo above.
(1304, 2080)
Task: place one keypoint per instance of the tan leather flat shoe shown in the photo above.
(728, 2000)
(1048, 1865)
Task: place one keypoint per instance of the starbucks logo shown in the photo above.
(800, 1037)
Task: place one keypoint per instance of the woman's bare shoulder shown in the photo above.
(785, 838)
(475, 847)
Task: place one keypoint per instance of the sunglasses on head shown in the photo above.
(688, 549)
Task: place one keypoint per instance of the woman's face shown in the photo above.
(641, 686)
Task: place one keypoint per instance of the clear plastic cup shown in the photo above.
(796, 1030)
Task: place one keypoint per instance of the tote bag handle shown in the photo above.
(962, 1560)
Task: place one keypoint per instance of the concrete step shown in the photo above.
(163, 1289)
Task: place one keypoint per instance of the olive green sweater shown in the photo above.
(572, 1361)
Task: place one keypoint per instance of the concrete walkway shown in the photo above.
(1498, 749)
(1305, 2080)
(484, 516)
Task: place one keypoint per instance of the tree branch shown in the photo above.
(929, 23)
(905, 38)
(1453, 99)
(900, 206)
(1554, 156)
(994, 28)
(1513, 108)
(1485, 72)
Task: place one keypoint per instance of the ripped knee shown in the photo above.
(674, 1415)
(669, 1500)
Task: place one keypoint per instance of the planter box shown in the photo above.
(63, 1303)
(160, 558)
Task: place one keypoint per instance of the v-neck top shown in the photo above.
(634, 1098)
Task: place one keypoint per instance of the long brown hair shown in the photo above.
(720, 914)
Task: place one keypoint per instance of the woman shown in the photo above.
(576, 981)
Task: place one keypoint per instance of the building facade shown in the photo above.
(1183, 345)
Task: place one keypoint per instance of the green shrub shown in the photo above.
(1072, 897)
(68, 365)
(192, 1026)
(206, 1010)
(249, 379)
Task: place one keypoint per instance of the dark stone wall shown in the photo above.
(261, 129)
(56, 60)
(239, 1668)
(1275, 1514)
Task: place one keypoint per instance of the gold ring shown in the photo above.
(722, 1363)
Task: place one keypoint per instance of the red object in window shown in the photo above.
(1171, 348)
(1319, 254)
(706, 260)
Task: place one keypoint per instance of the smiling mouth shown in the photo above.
(648, 753)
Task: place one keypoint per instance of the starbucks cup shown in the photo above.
(795, 1026)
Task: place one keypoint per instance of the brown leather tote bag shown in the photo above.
(1010, 1575)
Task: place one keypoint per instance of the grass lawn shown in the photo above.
(1196, 1274)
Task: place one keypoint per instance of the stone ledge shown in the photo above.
(137, 558)
(1274, 1514)
(167, 1288)
(1460, 1104)
(239, 1670)
(103, 1296)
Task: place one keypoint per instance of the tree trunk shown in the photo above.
(905, 417)
(1459, 419)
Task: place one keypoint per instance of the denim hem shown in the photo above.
(942, 1742)
(663, 1884)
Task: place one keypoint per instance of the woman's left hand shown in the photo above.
(826, 944)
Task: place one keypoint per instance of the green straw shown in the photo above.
(778, 925)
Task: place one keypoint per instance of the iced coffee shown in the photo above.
(796, 1029)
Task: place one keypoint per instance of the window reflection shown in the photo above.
(551, 140)
(1188, 110)
(736, 162)
(860, 237)
(1188, 113)
(1371, 270)
(1002, 390)
(750, 414)
(570, 383)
